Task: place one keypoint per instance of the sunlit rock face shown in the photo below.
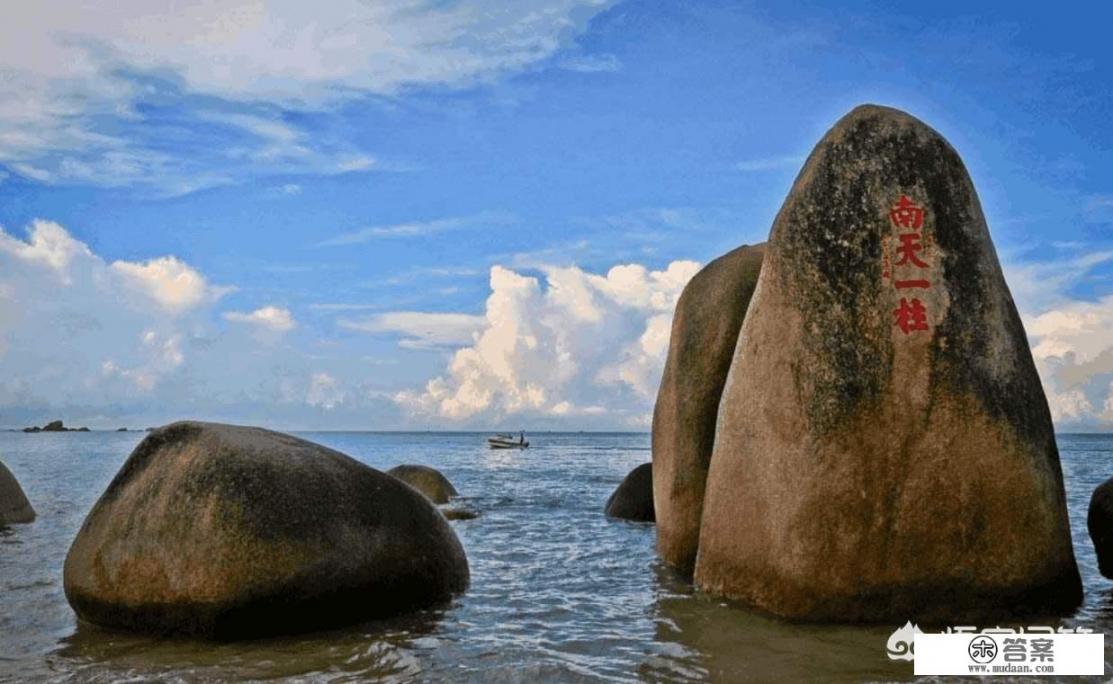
(884, 449)
(228, 532)
(704, 332)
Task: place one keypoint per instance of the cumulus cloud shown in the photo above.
(1070, 339)
(580, 344)
(74, 73)
(1073, 349)
(89, 341)
(268, 317)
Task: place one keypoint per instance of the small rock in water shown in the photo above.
(14, 506)
(704, 334)
(428, 481)
(884, 449)
(229, 532)
(459, 513)
(633, 499)
(1099, 521)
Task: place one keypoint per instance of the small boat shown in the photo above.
(508, 441)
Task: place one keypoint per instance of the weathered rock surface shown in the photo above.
(884, 447)
(704, 332)
(229, 532)
(1099, 520)
(429, 481)
(14, 506)
(633, 499)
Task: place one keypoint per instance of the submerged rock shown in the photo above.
(704, 333)
(459, 513)
(428, 481)
(1099, 521)
(229, 532)
(633, 499)
(884, 448)
(14, 506)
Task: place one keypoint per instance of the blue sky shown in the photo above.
(398, 215)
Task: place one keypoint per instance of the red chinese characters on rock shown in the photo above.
(911, 315)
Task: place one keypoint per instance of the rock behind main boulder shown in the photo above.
(704, 332)
(633, 498)
(429, 481)
(884, 447)
(229, 532)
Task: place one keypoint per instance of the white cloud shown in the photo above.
(171, 283)
(584, 344)
(421, 330)
(1070, 338)
(74, 73)
(91, 341)
(324, 391)
(269, 317)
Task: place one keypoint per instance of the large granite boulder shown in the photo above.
(14, 506)
(228, 532)
(1099, 521)
(633, 499)
(704, 332)
(884, 447)
(429, 481)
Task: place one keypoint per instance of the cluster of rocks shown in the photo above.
(850, 426)
(54, 426)
(228, 532)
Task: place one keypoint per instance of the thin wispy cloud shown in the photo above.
(412, 229)
(768, 164)
(590, 64)
(420, 329)
(78, 77)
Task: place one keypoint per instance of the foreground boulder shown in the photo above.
(884, 447)
(229, 532)
(1099, 520)
(704, 332)
(428, 481)
(14, 506)
(633, 500)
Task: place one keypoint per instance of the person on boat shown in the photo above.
(521, 437)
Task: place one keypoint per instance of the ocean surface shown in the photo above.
(559, 592)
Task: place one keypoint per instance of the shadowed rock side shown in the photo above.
(14, 506)
(704, 332)
(1099, 521)
(872, 465)
(633, 499)
(428, 481)
(230, 532)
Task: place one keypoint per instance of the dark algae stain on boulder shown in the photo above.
(704, 332)
(230, 532)
(429, 481)
(884, 450)
(633, 499)
(14, 506)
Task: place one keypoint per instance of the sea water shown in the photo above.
(558, 591)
